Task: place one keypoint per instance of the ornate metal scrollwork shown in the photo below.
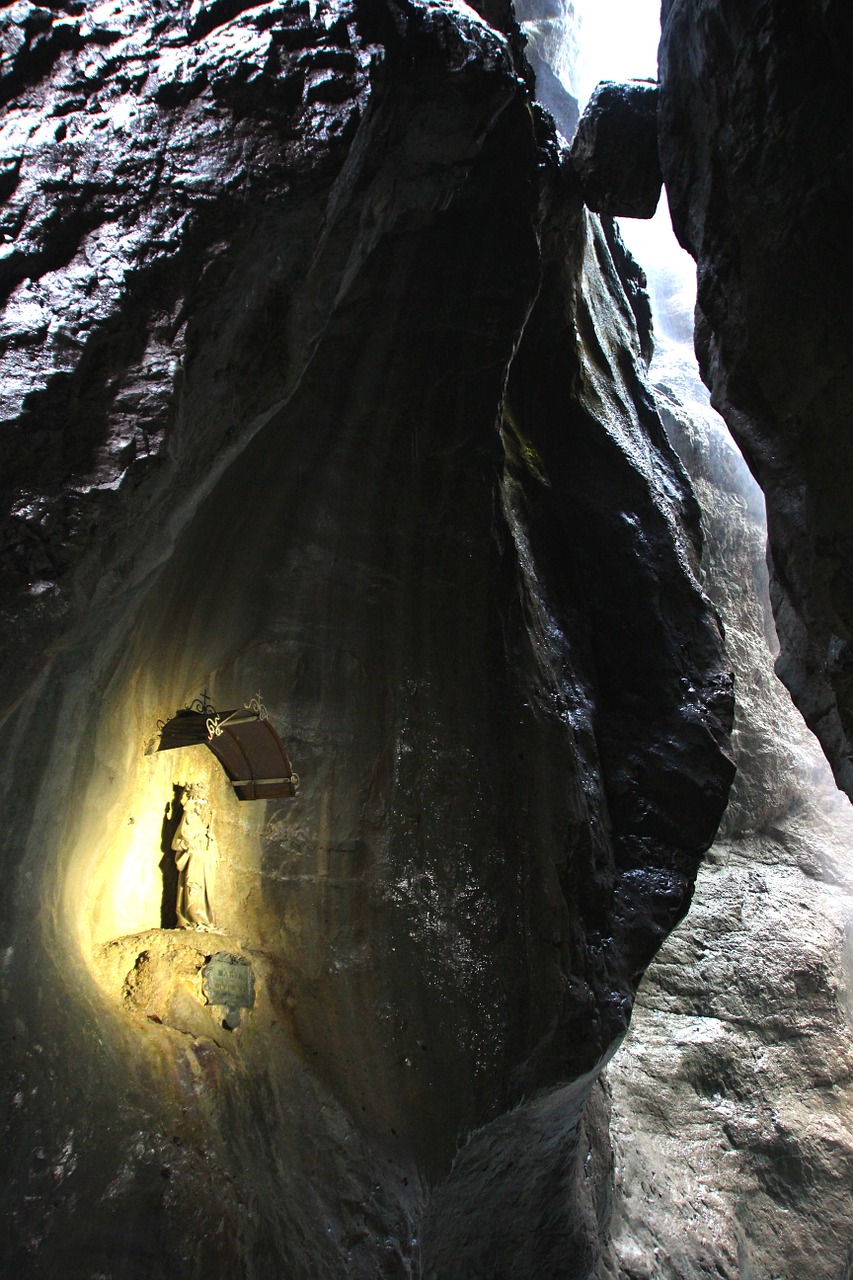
(257, 705)
(214, 726)
(202, 705)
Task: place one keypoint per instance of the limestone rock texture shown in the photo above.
(548, 27)
(732, 1096)
(317, 379)
(756, 101)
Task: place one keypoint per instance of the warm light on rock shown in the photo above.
(318, 378)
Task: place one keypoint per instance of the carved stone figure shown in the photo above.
(193, 850)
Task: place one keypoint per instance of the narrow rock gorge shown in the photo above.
(325, 398)
(731, 1097)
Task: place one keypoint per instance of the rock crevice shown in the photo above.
(755, 149)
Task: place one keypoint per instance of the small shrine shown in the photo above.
(244, 742)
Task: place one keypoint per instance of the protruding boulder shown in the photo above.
(615, 151)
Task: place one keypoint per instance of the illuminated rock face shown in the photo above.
(732, 1095)
(319, 381)
(755, 148)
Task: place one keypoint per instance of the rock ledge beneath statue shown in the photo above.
(157, 976)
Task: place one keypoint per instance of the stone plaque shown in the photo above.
(229, 981)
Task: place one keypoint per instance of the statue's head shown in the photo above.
(193, 794)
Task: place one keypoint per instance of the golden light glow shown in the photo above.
(114, 865)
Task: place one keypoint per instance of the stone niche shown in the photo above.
(131, 887)
(138, 951)
(125, 878)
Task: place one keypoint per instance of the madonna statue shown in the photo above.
(193, 849)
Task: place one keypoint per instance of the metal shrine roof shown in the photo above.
(244, 742)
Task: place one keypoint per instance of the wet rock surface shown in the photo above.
(545, 28)
(756, 155)
(615, 150)
(319, 379)
(731, 1097)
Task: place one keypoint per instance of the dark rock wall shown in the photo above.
(318, 379)
(615, 150)
(755, 145)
